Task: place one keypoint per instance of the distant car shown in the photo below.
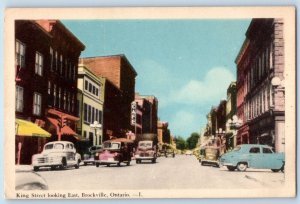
(59, 154)
(188, 152)
(29, 180)
(89, 157)
(211, 156)
(253, 156)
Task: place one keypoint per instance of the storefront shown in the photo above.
(30, 139)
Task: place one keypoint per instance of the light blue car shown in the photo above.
(253, 156)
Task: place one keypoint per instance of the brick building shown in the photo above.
(120, 82)
(262, 62)
(46, 80)
(148, 106)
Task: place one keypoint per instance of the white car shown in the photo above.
(59, 154)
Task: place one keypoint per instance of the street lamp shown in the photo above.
(96, 126)
(234, 124)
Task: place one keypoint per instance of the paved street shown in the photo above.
(168, 173)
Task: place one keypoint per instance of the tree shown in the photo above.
(180, 143)
(192, 141)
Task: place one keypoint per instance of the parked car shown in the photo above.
(253, 156)
(26, 179)
(211, 156)
(115, 151)
(59, 154)
(89, 157)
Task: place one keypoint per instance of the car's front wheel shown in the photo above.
(242, 166)
(77, 165)
(35, 168)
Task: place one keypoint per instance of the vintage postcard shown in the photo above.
(110, 103)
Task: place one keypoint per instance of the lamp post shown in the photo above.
(234, 124)
(96, 126)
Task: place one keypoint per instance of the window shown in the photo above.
(56, 61)
(84, 134)
(271, 56)
(73, 104)
(49, 87)
(59, 97)
(97, 92)
(54, 94)
(93, 115)
(74, 72)
(267, 151)
(37, 104)
(254, 150)
(90, 87)
(65, 99)
(70, 70)
(85, 113)
(100, 116)
(61, 65)
(38, 64)
(86, 85)
(19, 98)
(20, 54)
(96, 116)
(51, 59)
(89, 113)
(94, 90)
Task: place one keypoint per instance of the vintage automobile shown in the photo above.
(147, 147)
(59, 154)
(26, 179)
(146, 150)
(115, 151)
(188, 152)
(89, 157)
(211, 156)
(253, 156)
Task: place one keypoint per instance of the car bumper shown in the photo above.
(46, 164)
(106, 162)
(138, 157)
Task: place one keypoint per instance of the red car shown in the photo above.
(115, 151)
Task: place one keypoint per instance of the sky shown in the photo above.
(187, 64)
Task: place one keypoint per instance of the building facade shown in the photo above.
(91, 105)
(148, 106)
(230, 115)
(46, 79)
(264, 99)
(119, 73)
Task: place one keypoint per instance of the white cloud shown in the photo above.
(212, 88)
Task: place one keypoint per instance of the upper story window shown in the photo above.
(20, 54)
(39, 64)
(37, 104)
(56, 61)
(92, 87)
(19, 98)
(51, 59)
(61, 64)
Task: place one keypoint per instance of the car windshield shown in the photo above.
(112, 145)
(54, 146)
(145, 144)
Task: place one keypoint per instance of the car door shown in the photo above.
(270, 159)
(255, 157)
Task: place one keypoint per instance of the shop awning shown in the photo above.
(58, 113)
(66, 130)
(27, 128)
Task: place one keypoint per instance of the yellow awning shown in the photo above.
(27, 128)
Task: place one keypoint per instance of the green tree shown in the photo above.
(180, 143)
(191, 141)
